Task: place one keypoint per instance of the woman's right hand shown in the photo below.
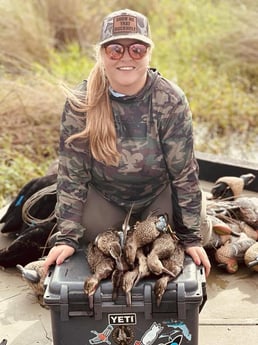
(57, 255)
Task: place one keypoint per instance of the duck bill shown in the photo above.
(128, 297)
(158, 300)
(30, 275)
(91, 301)
(119, 264)
(137, 279)
(164, 270)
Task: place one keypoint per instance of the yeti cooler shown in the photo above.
(175, 321)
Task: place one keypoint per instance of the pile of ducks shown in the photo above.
(150, 248)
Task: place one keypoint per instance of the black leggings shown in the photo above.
(100, 214)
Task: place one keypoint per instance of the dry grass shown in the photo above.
(30, 110)
(25, 34)
(240, 45)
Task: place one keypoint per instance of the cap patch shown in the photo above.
(124, 24)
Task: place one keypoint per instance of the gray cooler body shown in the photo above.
(174, 322)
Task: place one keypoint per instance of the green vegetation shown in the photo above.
(208, 47)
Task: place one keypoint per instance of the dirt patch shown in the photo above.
(36, 139)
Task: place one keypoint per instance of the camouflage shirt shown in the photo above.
(155, 139)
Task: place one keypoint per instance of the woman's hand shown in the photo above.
(57, 255)
(199, 256)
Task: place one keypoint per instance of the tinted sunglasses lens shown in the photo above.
(137, 51)
(114, 51)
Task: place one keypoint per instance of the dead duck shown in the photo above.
(101, 267)
(142, 266)
(29, 246)
(162, 248)
(143, 233)
(121, 267)
(132, 277)
(174, 264)
(251, 257)
(13, 220)
(110, 243)
(33, 273)
(231, 187)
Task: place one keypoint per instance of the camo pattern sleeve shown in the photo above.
(176, 135)
(73, 178)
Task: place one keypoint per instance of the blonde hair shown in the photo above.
(100, 128)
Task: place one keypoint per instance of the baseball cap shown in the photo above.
(125, 24)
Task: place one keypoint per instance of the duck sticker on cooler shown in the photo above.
(123, 334)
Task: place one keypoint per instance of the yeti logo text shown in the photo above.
(122, 319)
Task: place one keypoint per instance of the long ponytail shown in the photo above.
(100, 128)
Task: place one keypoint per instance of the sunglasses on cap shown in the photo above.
(115, 51)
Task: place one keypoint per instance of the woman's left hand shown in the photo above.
(199, 256)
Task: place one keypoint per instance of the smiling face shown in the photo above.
(126, 75)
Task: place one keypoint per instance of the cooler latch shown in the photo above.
(64, 305)
(181, 305)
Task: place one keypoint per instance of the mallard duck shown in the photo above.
(101, 267)
(110, 242)
(34, 274)
(121, 267)
(231, 187)
(132, 277)
(162, 248)
(144, 232)
(174, 264)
